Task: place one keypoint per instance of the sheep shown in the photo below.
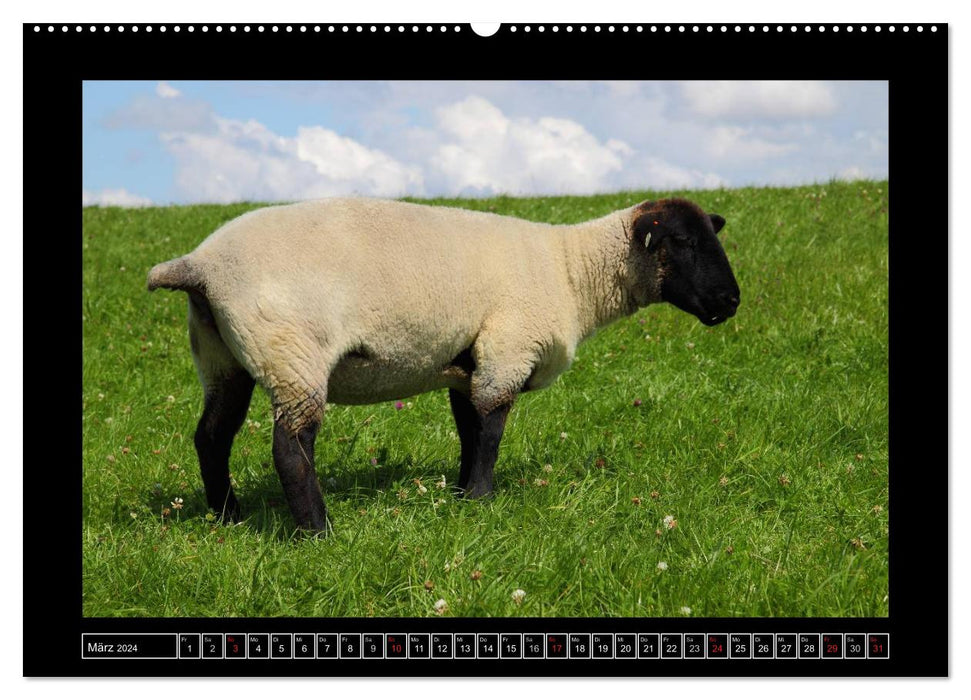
(356, 301)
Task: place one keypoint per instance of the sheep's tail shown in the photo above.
(176, 274)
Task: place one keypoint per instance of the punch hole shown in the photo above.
(485, 29)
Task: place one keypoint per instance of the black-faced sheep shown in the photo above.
(357, 301)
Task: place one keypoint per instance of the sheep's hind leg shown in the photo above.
(480, 433)
(294, 433)
(228, 388)
(227, 401)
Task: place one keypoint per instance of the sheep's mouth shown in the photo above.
(711, 320)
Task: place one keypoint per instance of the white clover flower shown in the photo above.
(177, 503)
(662, 566)
(440, 606)
(518, 595)
(685, 610)
(562, 436)
(669, 522)
(440, 484)
(422, 490)
(548, 468)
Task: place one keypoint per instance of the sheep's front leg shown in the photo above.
(293, 457)
(480, 433)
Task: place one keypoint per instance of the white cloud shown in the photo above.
(247, 161)
(118, 197)
(657, 173)
(163, 89)
(852, 172)
(737, 143)
(759, 99)
(485, 151)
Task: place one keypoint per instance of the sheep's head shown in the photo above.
(693, 272)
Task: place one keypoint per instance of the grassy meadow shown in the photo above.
(675, 470)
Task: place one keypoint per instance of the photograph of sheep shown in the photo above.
(485, 349)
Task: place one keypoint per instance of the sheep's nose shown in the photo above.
(729, 301)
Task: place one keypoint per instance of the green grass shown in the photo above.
(765, 438)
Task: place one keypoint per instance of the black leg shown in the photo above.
(226, 403)
(293, 456)
(480, 435)
(467, 422)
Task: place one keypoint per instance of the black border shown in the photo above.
(914, 62)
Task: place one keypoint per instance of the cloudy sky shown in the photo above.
(199, 141)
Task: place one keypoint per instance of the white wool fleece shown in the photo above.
(360, 300)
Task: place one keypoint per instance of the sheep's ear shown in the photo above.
(717, 221)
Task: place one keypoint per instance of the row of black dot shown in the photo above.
(512, 28)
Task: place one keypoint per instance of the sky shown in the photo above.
(164, 142)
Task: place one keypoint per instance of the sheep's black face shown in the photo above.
(693, 270)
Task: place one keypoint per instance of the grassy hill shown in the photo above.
(764, 438)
